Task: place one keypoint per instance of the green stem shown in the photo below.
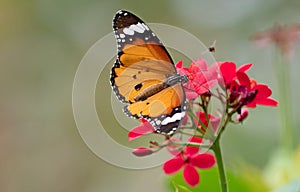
(218, 153)
(285, 107)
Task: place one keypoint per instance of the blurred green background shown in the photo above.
(41, 45)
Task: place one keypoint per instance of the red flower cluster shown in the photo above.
(242, 90)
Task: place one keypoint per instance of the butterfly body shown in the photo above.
(154, 89)
(144, 76)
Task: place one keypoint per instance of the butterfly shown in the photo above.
(144, 76)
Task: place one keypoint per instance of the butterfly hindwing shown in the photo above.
(143, 63)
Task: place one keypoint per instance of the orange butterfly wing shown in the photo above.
(143, 63)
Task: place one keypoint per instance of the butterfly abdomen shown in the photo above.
(152, 90)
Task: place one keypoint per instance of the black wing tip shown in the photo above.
(125, 16)
(122, 12)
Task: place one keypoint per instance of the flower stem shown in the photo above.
(285, 106)
(218, 153)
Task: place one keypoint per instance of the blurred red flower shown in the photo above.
(283, 36)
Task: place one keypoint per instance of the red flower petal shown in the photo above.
(203, 161)
(140, 130)
(173, 165)
(191, 150)
(268, 102)
(228, 71)
(179, 64)
(198, 65)
(142, 151)
(263, 91)
(191, 94)
(213, 121)
(203, 86)
(190, 175)
(243, 79)
(244, 67)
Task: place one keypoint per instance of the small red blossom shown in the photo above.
(212, 121)
(140, 130)
(243, 114)
(189, 160)
(201, 77)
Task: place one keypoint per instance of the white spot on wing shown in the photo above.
(137, 28)
(145, 26)
(175, 117)
(157, 122)
(128, 31)
(122, 35)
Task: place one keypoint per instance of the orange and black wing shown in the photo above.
(143, 62)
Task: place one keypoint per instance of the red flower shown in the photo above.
(201, 77)
(138, 131)
(242, 89)
(189, 160)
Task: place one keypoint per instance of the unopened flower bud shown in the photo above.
(243, 115)
(142, 151)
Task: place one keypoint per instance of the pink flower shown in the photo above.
(201, 77)
(140, 130)
(189, 160)
(283, 36)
